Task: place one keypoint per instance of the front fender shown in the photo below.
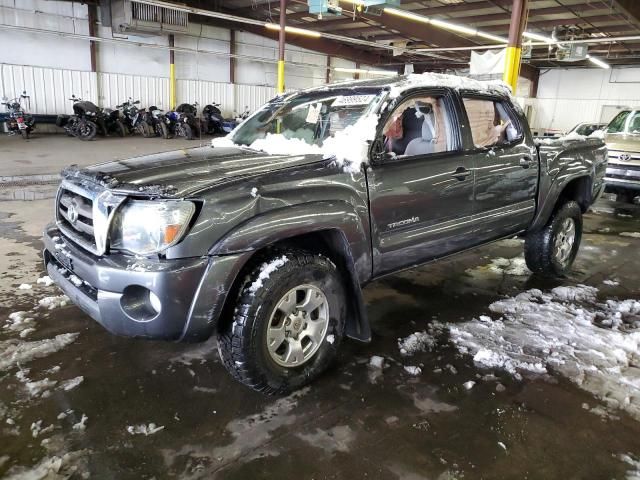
(289, 222)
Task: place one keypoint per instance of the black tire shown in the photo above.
(163, 130)
(120, 129)
(87, 131)
(242, 340)
(25, 134)
(187, 132)
(540, 247)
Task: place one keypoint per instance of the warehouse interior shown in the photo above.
(486, 351)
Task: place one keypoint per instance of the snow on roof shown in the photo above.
(401, 83)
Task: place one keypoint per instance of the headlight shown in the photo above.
(144, 227)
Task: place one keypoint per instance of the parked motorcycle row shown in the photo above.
(89, 120)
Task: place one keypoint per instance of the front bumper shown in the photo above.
(623, 176)
(192, 291)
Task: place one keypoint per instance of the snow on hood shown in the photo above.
(348, 147)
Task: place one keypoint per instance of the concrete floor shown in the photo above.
(50, 153)
(349, 424)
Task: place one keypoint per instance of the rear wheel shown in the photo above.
(162, 130)
(288, 323)
(552, 250)
(121, 130)
(187, 133)
(25, 133)
(86, 130)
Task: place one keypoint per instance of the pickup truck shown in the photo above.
(622, 137)
(266, 238)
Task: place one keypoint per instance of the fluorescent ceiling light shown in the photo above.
(299, 31)
(598, 62)
(538, 37)
(454, 27)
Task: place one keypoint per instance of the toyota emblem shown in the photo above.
(72, 213)
(625, 157)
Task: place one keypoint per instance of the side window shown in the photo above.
(491, 122)
(418, 126)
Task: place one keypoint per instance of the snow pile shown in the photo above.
(143, 429)
(611, 283)
(20, 322)
(81, 426)
(597, 134)
(634, 473)
(71, 383)
(502, 266)
(630, 234)
(25, 286)
(348, 146)
(223, 142)
(562, 331)
(416, 342)
(376, 362)
(412, 370)
(265, 272)
(13, 352)
(53, 302)
(46, 281)
(40, 388)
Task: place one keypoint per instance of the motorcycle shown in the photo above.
(184, 122)
(134, 118)
(83, 124)
(19, 120)
(214, 123)
(158, 121)
(110, 122)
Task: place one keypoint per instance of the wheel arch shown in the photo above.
(330, 242)
(578, 188)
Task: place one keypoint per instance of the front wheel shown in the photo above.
(552, 250)
(25, 133)
(86, 130)
(288, 323)
(162, 130)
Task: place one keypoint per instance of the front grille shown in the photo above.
(75, 217)
(624, 158)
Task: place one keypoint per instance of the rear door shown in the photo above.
(421, 193)
(505, 164)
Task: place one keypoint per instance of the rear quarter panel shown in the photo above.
(562, 162)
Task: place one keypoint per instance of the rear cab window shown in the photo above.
(492, 122)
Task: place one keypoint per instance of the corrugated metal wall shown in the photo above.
(51, 88)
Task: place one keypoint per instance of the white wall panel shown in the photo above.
(116, 88)
(191, 91)
(567, 97)
(49, 88)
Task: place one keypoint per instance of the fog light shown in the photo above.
(140, 303)
(155, 302)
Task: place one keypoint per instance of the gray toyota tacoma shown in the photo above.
(266, 238)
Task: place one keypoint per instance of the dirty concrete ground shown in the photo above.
(351, 423)
(50, 153)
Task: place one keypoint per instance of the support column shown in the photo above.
(232, 60)
(519, 13)
(92, 14)
(327, 78)
(281, 38)
(356, 76)
(172, 73)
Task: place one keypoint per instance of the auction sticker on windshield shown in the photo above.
(350, 100)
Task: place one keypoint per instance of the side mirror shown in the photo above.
(136, 102)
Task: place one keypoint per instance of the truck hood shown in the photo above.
(623, 142)
(183, 172)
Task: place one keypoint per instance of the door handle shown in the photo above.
(461, 173)
(525, 162)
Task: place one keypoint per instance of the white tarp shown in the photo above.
(490, 62)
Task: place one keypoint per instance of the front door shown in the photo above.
(421, 194)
